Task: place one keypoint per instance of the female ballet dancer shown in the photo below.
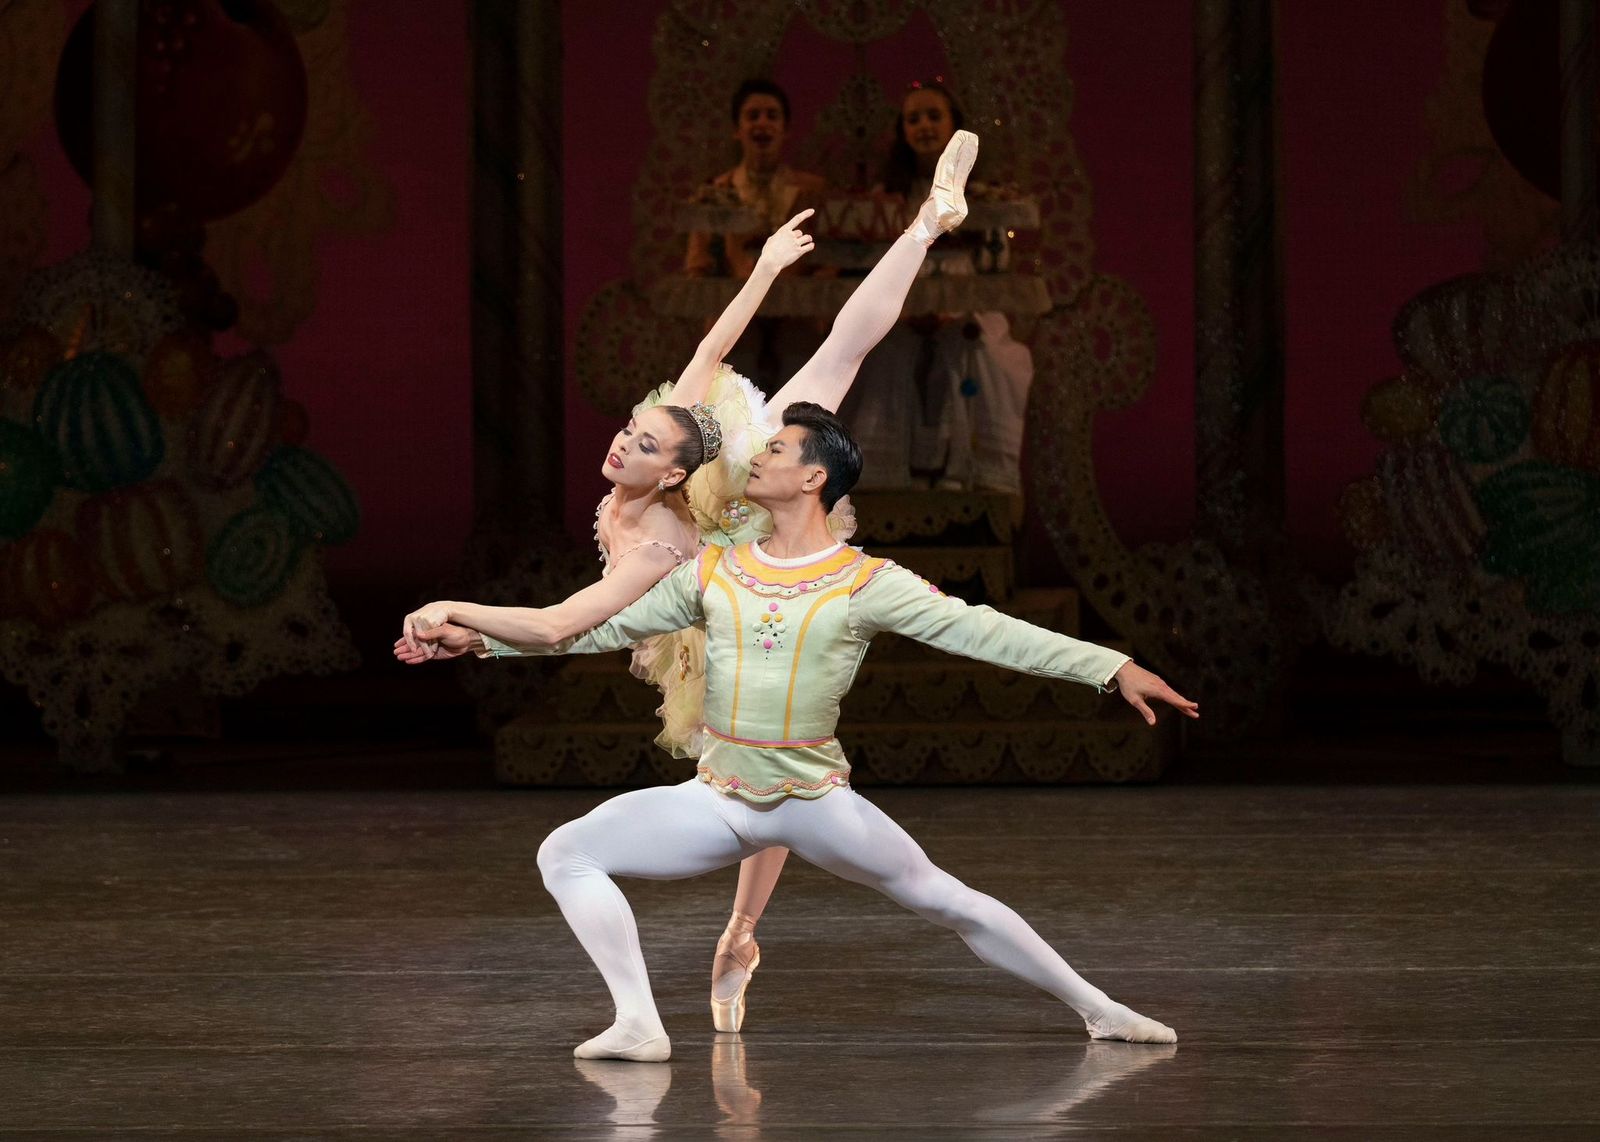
(645, 529)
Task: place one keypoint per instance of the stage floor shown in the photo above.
(1352, 963)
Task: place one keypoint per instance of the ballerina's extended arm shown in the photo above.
(641, 569)
(632, 575)
(787, 245)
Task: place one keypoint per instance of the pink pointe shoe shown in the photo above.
(946, 205)
(730, 976)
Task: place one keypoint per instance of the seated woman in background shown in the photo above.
(945, 395)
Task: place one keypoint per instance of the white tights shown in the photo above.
(825, 379)
(679, 831)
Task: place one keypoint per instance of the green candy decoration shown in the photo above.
(105, 432)
(311, 495)
(1544, 527)
(1485, 419)
(28, 478)
(252, 557)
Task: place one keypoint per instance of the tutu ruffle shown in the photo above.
(676, 665)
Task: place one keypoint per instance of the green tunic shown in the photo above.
(784, 640)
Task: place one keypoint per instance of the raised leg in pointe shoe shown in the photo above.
(875, 305)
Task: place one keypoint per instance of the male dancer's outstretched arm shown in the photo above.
(897, 600)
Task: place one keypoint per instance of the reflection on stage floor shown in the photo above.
(1361, 963)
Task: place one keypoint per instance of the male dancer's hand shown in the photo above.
(788, 243)
(1140, 687)
(434, 642)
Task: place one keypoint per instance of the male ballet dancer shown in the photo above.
(788, 620)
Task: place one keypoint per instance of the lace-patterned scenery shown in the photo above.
(161, 517)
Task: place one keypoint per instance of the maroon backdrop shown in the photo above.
(383, 364)
(1354, 82)
(1355, 79)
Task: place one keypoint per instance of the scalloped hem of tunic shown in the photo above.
(734, 786)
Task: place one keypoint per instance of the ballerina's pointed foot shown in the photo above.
(736, 961)
(946, 204)
(619, 1042)
(1123, 1023)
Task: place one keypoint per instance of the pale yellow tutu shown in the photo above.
(676, 663)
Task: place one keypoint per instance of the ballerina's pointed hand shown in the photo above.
(1140, 687)
(423, 618)
(789, 243)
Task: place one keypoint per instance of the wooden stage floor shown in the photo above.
(1344, 963)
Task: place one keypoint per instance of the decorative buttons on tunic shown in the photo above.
(770, 628)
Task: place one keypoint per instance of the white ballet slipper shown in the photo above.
(1126, 1025)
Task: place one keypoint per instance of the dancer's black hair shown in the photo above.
(829, 443)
